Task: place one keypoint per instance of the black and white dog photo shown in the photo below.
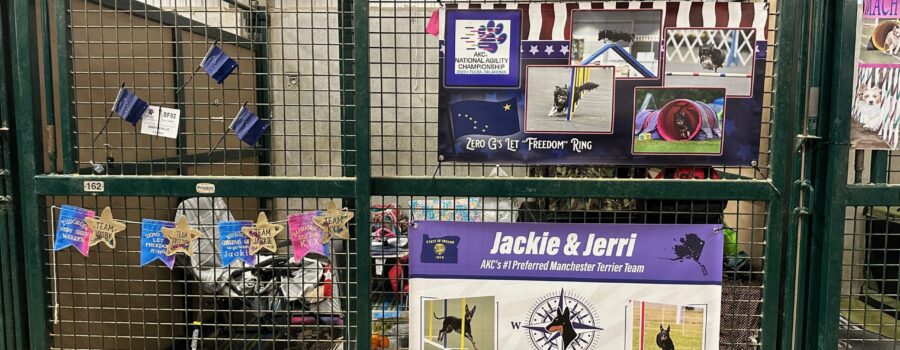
(711, 58)
(561, 98)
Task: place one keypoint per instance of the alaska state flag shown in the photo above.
(217, 64)
(485, 118)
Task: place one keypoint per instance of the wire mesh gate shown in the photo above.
(350, 89)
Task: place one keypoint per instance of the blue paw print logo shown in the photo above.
(490, 36)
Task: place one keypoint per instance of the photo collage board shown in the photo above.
(644, 83)
(876, 121)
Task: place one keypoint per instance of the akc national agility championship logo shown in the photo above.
(561, 321)
(482, 47)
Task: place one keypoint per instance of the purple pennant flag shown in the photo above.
(153, 243)
(233, 244)
(248, 127)
(72, 230)
(306, 236)
(128, 106)
(217, 64)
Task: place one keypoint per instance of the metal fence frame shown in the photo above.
(802, 251)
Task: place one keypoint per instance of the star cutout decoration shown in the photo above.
(564, 50)
(180, 237)
(442, 47)
(534, 50)
(104, 229)
(262, 234)
(549, 49)
(334, 222)
(507, 107)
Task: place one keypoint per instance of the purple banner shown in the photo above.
(881, 9)
(679, 254)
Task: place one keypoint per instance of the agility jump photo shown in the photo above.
(678, 120)
(657, 326)
(569, 99)
(459, 324)
(879, 41)
(711, 57)
(626, 39)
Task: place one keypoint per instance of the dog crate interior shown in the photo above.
(870, 295)
(108, 300)
(744, 258)
(294, 71)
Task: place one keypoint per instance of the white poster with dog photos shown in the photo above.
(549, 286)
(876, 122)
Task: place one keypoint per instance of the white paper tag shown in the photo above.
(94, 186)
(379, 266)
(161, 121)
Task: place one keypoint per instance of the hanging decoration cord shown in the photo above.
(55, 208)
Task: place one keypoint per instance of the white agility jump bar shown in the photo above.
(706, 74)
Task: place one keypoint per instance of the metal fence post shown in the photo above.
(826, 239)
(361, 102)
(26, 127)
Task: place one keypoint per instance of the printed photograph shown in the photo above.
(569, 100)
(678, 120)
(626, 39)
(879, 41)
(711, 57)
(663, 326)
(873, 125)
(462, 323)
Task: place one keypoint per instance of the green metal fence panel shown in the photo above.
(350, 90)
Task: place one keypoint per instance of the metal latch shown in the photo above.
(5, 202)
(802, 139)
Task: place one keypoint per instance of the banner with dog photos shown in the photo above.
(679, 83)
(491, 286)
(875, 123)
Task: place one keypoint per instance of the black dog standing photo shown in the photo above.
(569, 99)
(464, 323)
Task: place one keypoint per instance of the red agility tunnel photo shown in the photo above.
(678, 120)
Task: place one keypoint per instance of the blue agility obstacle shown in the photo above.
(633, 62)
(732, 58)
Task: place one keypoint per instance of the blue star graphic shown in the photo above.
(730, 127)
(745, 152)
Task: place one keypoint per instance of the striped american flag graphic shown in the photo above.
(550, 21)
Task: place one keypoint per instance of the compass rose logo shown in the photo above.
(562, 322)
